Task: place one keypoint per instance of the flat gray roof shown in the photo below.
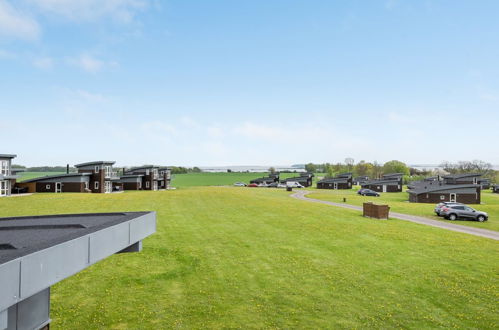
(38, 251)
(443, 187)
(7, 156)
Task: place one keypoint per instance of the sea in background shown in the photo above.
(296, 168)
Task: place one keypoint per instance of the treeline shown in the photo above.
(44, 168)
(185, 170)
(362, 168)
(376, 170)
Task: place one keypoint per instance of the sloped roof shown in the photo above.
(440, 187)
(461, 175)
(97, 162)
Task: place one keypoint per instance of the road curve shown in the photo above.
(425, 221)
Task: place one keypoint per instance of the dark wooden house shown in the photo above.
(383, 185)
(130, 182)
(273, 177)
(425, 181)
(495, 188)
(341, 181)
(72, 182)
(464, 178)
(484, 183)
(101, 173)
(391, 182)
(360, 180)
(305, 179)
(440, 192)
(150, 176)
(7, 178)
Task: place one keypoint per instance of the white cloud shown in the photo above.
(90, 63)
(16, 24)
(89, 10)
(44, 63)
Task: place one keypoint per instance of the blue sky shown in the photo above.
(248, 82)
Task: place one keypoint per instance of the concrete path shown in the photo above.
(425, 221)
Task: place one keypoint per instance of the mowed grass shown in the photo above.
(31, 175)
(226, 257)
(218, 179)
(399, 202)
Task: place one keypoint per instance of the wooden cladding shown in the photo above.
(371, 210)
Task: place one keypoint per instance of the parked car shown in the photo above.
(369, 192)
(293, 184)
(361, 190)
(281, 185)
(439, 206)
(240, 184)
(454, 212)
(273, 185)
(252, 185)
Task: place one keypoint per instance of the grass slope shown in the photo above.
(218, 179)
(31, 175)
(399, 203)
(255, 258)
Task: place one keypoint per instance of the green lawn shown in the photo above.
(32, 175)
(218, 179)
(226, 257)
(399, 203)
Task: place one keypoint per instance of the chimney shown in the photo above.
(67, 168)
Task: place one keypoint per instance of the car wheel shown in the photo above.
(481, 218)
(452, 217)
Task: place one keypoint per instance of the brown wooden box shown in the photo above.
(372, 210)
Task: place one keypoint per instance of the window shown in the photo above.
(147, 172)
(4, 167)
(147, 184)
(139, 184)
(96, 170)
(96, 185)
(86, 185)
(47, 187)
(3, 188)
(442, 197)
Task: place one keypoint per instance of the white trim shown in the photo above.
(48, 186)
(96, 169)
(452, 199)
(96, 185)
(148, 184)
(60, 187)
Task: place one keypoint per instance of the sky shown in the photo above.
(216, 83)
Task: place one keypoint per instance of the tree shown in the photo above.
(311, 168)
(349, 162)
(272, 170)
(395, 166)
(363, 168)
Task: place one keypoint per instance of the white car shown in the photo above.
(240, 184)
(293, 184)
(281, 185)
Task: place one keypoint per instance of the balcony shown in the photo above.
(111, 175)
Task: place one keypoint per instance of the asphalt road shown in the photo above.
(421, 220)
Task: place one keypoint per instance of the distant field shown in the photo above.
(398, 202)
(226, 257)
(32, 175)
(218, 179)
